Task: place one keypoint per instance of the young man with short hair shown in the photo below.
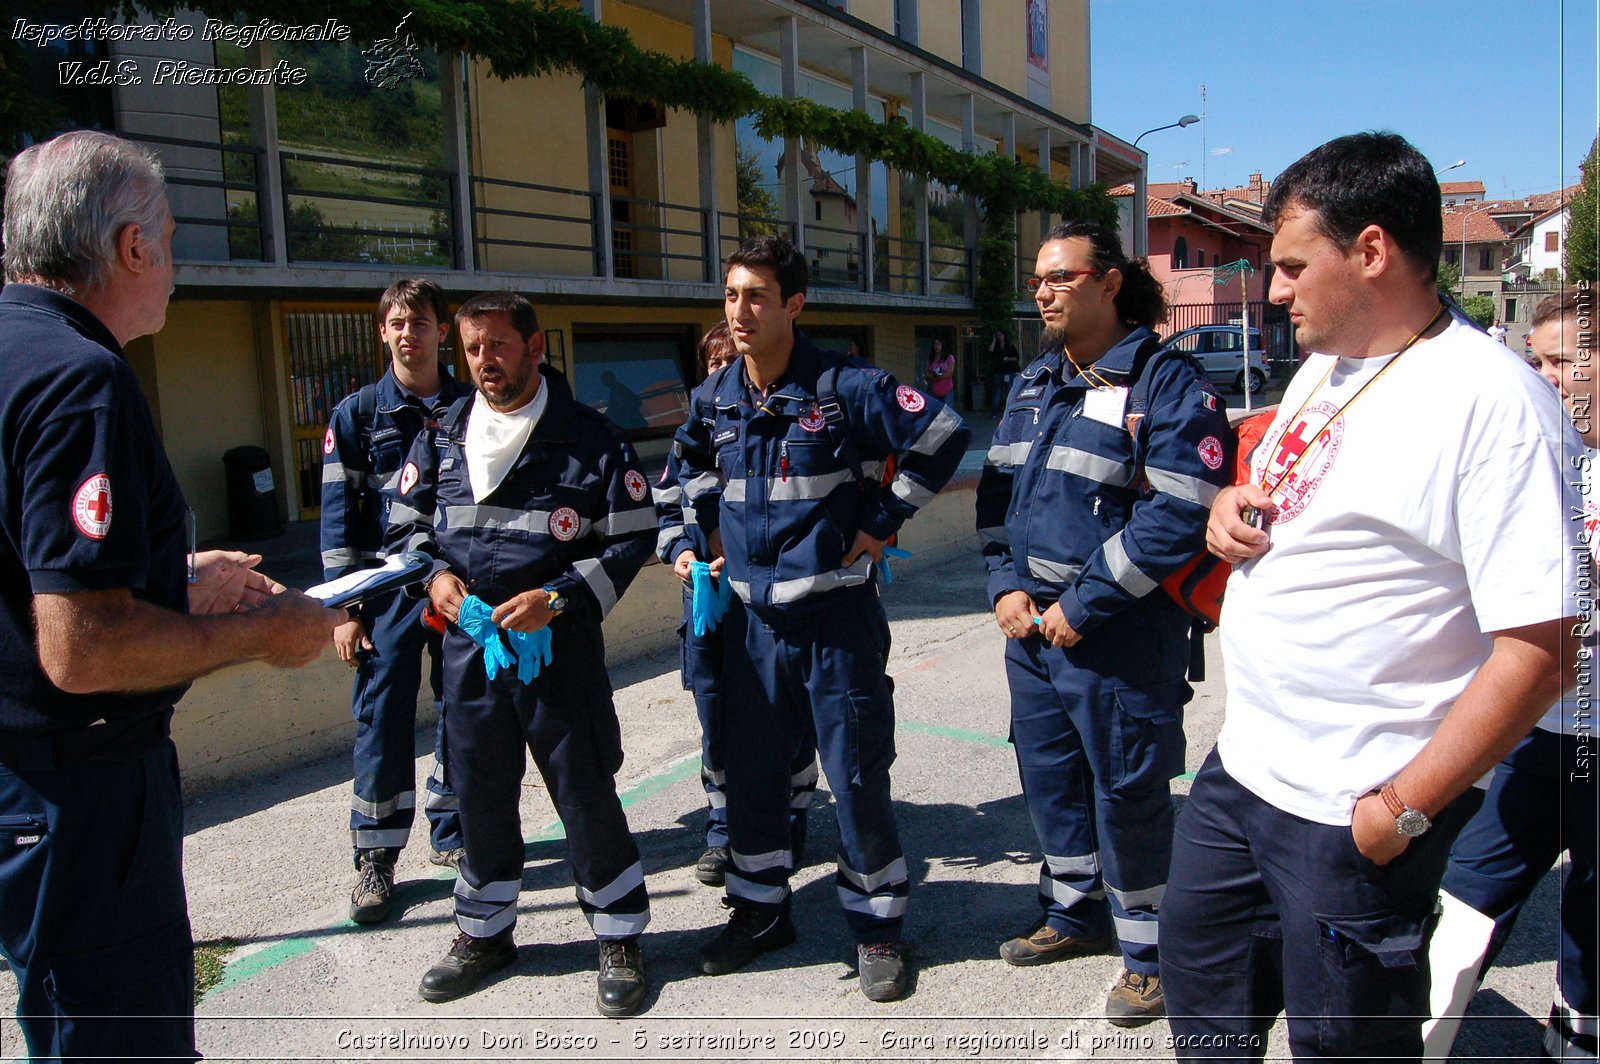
(368, 438)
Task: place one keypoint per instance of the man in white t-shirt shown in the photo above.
(1541, 801)
(1393, 628)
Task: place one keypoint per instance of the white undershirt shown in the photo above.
(494, 440)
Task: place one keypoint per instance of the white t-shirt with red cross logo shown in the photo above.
(1431, 513)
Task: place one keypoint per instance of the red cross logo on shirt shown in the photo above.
(1291, 447)
(91, 506)
(564, 524)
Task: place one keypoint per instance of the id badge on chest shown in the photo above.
(1106, 405)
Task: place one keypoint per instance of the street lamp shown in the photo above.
(1186, 120)
(1452, 166)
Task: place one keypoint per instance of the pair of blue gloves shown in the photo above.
(710, 602)
(531, 649)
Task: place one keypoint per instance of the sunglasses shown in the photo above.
(1057, 280)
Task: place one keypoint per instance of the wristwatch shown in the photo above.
(558, 601)
(1407, 821)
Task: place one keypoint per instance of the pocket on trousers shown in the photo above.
(145, 976)
(1389, 939)
(870, 720)
(1149, 730)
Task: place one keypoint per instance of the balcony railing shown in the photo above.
(340, 209)
(216, 192)
(537, 228)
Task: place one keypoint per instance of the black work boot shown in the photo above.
(712, 868)
(467, 964)
(373, 895)
(883, 970)
(620, 987)
(749, 933)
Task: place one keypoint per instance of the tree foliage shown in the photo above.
(1480, 308)
(1583, 233)
(1448, 280)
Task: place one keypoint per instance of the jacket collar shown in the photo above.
(62, 306)
(796, 388)
(1120, 365)
(558, 423)
(391, 396)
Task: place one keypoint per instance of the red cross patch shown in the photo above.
(408, 478)
(633, 480)
(564, 522)
(1211, 452)
(910, 400)
(327, 441)
(91, 506)
(812, 420)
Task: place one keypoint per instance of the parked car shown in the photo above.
(1220, 351)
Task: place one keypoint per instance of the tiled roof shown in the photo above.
(1472, 226)
(1162, 208)
(1460, 188)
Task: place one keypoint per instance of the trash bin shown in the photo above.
(252, 495)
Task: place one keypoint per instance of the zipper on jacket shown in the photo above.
(783, 460)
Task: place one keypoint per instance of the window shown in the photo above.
(1511, 310)
(818, 205)
(1485, 258)
(1215, 262)
(1199, 258)
(1180, 254)
(635, 378)
(1452, 257)
(1552, 241)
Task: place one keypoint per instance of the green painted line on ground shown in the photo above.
(943, 732)
(254, 964)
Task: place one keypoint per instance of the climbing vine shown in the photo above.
(532, 38)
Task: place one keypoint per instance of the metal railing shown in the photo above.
(653, 233)
(737, 228)
(835, 256)
(537, 218)
(1280, 350)
(897, 265)
(341, 209)
(949, 269)
(216, 190)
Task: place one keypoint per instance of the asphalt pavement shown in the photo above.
(268, 867)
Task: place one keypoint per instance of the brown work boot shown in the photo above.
(372, 898)
(1135, 1000)
(1047, 944)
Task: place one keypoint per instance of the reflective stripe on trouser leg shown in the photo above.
(765, 731)
(1057, 787)
(702, 677)
(384, 704)
(1097, 756)
(576, 742)
(841, 663)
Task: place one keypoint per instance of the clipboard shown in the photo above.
(352, 589)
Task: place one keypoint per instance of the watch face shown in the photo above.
(1412, 822)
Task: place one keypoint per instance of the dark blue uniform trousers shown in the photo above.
(1098, 731)
(1269, 913)
(93, 919)
(1541, 803)
(702, 677)
(825, 672)
(384, 702)
(567, 720)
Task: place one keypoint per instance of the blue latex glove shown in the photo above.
(711, 598)
(475, 618)
(532, 650)
(883, 566)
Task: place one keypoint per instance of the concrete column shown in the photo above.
(706, 142)
(1008, 146)
(262, 105)
(919, 122)
(453, 111)
(1044, 165)
(594, 124)
(858, 85)
(793, 200)
(969, 144)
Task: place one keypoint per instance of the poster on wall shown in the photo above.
(1038, 35)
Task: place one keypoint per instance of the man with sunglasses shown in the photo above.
(1093, 492)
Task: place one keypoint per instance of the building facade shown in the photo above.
(297, 204)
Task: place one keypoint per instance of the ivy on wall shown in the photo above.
(531, 38)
